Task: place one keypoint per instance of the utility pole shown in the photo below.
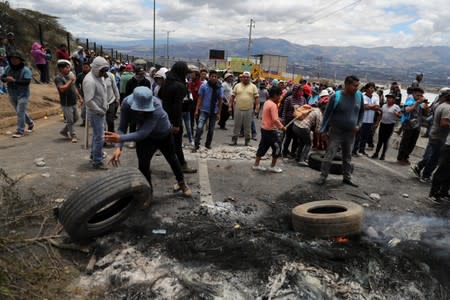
(167, 46)
(154, 32)
(252, 25)
(320, 58)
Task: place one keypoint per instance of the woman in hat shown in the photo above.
(18, 78)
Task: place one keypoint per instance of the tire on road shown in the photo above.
(315, 162)
(100, 204)
(328, 218)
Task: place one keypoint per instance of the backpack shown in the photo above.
(300, 113)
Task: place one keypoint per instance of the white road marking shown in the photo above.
(206, 198)
(386, 168)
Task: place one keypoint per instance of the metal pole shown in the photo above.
(95, 47)
(40, 34)
(154, 32)
(68, 42)
(112, 53)
(167, 46)
(87, 44)
(101, 50)
(252, 25)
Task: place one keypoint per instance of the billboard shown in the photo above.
(216, 54)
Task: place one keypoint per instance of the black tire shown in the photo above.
(315, 162)
(101, 204)
(328, 218)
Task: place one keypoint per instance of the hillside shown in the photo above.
(380, 63)
(25, 25)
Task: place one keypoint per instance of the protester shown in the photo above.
(244, 97)
(390, 112)
(62, 52)
(411, 123)
(159, 78)
(78, 57)
(371, 104)
(302, 132)
(417, 81)
(79, 84)
(95, 97)
(441, 178)
(39, 58)
(137, 80)
(113, 99)
(68, 95)
(172, 94)
(18, 77)
(227, 90)
(153, 133)
(48, 60)
(263, 95)
(208, 109)
(10, 46)
(270, 137)
(194, 86)
(296, 99)
(395, 90)
(126, 76)
(341, 121)
(438, 135)
(3, 64)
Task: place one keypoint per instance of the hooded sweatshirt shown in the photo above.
(94, 88)
(173, 92)
(38, 54)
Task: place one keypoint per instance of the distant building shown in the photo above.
(275, 64)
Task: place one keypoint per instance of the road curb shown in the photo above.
(35, 115)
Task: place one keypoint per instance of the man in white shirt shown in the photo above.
(227, 86)
(371, 104)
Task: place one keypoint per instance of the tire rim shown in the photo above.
(110, 211)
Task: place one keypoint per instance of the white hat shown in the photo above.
(324, 93)
(227, 75)
(246, 73)
(444, 90)
(161, 73)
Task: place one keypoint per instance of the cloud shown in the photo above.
(322, 22)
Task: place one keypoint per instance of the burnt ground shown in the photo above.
(234, 239)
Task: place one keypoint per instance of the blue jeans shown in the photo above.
(430, 158)
(20, 102)
(201, 124)
(187, 124)
(98, 128)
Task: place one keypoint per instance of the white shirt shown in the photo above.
(227, 90)
(369, 115)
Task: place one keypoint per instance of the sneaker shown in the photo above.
(64, 134)
(185, 189)
(186, 169)
(99, 166)
(435, 199)
(349, 182)
(425, 179)
(416, 171)
(74, 139)
(274, 169)
(258, 168)
(303, 163)
(375, 155)
(17, 134)
(30, 128)
(208, 147)
(363, 153)
(321, 180)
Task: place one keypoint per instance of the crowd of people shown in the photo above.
(158, 105)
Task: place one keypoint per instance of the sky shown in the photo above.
(365, 23)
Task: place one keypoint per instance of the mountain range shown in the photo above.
(374, 64)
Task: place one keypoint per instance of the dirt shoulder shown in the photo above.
(44, 100)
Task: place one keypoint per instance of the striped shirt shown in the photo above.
(313, 120)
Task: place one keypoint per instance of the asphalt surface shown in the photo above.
(228, 194)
